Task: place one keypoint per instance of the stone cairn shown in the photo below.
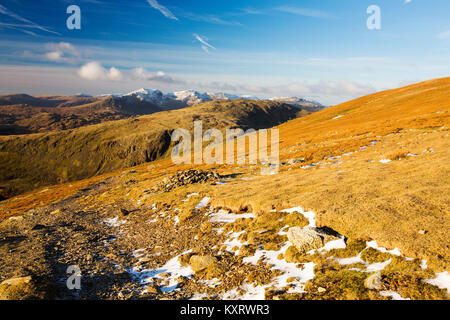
(186, 177)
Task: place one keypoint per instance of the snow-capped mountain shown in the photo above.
(300, 102)
(185, 98)
(179, 99)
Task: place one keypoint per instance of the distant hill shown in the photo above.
(33, 160)
(24, 114)
(301, 103)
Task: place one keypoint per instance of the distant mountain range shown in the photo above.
(185, 98)
(23, 114)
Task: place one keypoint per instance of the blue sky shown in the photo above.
(320, 49)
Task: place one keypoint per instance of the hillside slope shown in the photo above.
(34, 160)
(23, 114)
(368, 180)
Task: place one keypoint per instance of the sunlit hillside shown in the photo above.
(370, 177)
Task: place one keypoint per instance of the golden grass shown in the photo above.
(360, 198)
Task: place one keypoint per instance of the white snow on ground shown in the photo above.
(441, 281)
(385, 160)
(283, 231)
(224, 216)
(192, 194)
(311, 216)
(173, 267)
(373, 244)
(312, 165)
(394, 295)
(337, 117)
(423, 264)
(199, 296)
(251, 293)
(233, 241)
(203, 203)
(288, 269)
(335, 244)
(113, 222)
(377, 266)
(351, 260)
(138, 253)
(210, 283)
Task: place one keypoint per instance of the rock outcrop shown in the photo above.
(308, 238)
(186, 177)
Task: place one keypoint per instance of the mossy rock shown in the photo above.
(412, 286)
(372, 255)
(338, 285)
(199, 263)
(292, 255)
(353, 248)
(296, 219)
(247, 250)
(26, 288)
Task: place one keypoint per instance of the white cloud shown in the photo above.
(407, 1)
(62, 52)
(95, 71)
(444, 35)
(166, 12)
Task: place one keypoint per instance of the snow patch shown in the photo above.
(203, 203)
(113, 222)
(394, 295)
(224, 216)
(441, 281)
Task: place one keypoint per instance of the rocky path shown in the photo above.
(160, 251)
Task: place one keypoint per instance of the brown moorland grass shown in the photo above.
(359, 197)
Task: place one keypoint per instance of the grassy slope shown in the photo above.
(35, 160)
(358, 198)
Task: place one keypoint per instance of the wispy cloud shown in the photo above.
(306, 12)
(209, 18)
(61, 52)
(166, 12)
(27, 23)
(444, 35)
(298, 88)
(206, 44)
(205, 48)
(407, 1)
